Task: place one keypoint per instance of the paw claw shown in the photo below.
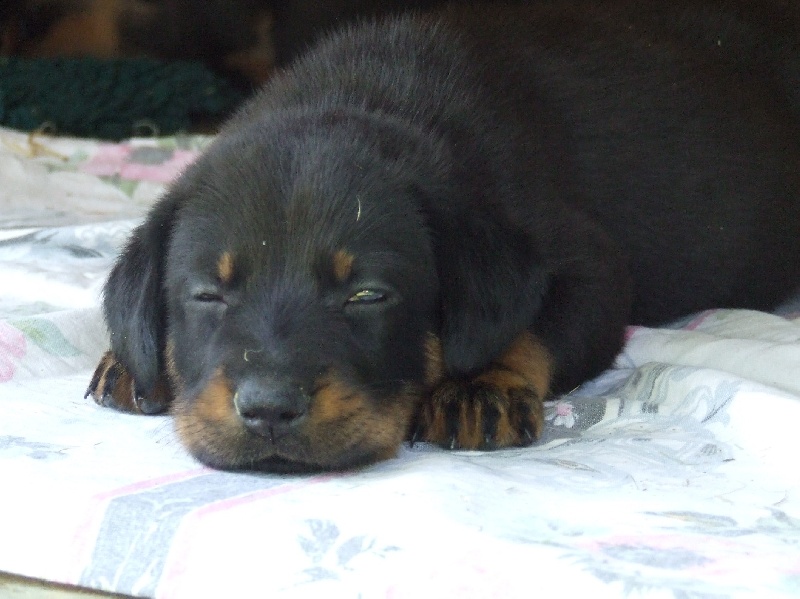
(416, 436)
(90, 390)
(529, 435)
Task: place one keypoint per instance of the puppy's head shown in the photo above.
(290, 285)
(301, 287)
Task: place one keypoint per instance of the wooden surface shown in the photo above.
(16, 587)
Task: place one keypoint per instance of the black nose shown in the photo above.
(266, 405)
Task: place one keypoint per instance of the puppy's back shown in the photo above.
(676, 127)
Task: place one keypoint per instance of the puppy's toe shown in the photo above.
(113, 387)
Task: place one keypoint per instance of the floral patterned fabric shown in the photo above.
(672, 475)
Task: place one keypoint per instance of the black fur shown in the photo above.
(552, 170)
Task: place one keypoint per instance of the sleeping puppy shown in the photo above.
(429, 224)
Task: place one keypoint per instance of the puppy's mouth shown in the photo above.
(335, 427)
(281, 465)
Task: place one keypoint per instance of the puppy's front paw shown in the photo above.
(478, 414)
(113, 387)
(500, 407)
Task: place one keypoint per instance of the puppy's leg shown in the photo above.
(576, 332)
(132, 376)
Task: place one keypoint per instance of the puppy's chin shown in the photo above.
(280, 465)
(255, 454)
(359, 432)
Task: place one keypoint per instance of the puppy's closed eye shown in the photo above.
(208, 297)
(368, 296)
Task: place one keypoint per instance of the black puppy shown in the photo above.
(427, 225)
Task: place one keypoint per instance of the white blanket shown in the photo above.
(673, 474)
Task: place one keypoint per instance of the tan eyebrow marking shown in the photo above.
(225, 267)
(342, 265)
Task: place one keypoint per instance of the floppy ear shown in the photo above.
(490, 277)
(491, 285)
(133, 301)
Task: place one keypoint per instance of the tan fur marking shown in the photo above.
(513, 385)
(469, 426)
(335, 400)
(174, 377)
(434, 415)
(526, 359)
(537, 418)
(504, 434)
(123, 385)
(106, 363)
(123, 393)
(388, 428)
(225, 268)
(389, 450)
(214, 404)
(342, 265)
(169, 359)
(111, 377)
(434, 360)
(337, 408)
(209, 423)
(503, 379)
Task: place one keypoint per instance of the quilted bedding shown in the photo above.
(674, 474)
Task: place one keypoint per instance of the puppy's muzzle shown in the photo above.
(270, 406)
